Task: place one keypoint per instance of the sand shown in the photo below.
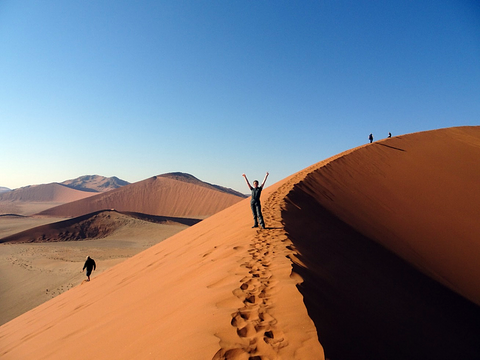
(329, 278)
(53, 192)
(159, 195)
(25, 208)
(34, 273)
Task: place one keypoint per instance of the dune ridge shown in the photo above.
(222, 290)
(418, 196)
(158, 195)
(367, 302)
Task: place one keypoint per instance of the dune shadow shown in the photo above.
(161, 219)
(366, 302)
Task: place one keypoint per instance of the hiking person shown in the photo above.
(255, 201)
(90, 266)
(370, 137)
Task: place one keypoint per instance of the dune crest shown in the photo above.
(418, 196)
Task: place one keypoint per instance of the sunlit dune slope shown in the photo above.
(216, 289)
(45, 193)
(222, 290)
(159, 195)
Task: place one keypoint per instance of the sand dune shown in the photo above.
(221, 290)
(159, 195)
(418, 196)
(95, 225)
(44, 193)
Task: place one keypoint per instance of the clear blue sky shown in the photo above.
(217, 88)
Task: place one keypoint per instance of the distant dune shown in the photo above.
(36, 198)
(323, 281)
(44, 193)
(91, 226)
(95, 183)
(3, 189)
(170, 195)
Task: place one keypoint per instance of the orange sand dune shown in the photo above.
(42, 193)
(159, 195)
(419, 196)
(221, 290)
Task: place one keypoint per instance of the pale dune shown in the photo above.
(221, 290)
(53, 192)
(159, 195)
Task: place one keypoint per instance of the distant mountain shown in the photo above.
(174, 194)
(4, 189)
(95, 183)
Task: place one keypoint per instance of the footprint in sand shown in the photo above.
(256, 326)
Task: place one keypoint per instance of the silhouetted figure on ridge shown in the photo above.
(370, 138)
(90, 266)
(389, 134)
(255, 202)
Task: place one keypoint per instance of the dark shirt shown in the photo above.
(256, 192)
(90, 264)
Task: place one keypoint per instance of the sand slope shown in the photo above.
(33, 273)
(44, 193)
(221, 290)
(159, 195)
(176, 301)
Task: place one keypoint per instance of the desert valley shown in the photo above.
(370, 254)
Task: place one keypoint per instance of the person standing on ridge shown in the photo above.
(90, 266)
(255, 201)
(370, 137)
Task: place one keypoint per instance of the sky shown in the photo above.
(219, 88)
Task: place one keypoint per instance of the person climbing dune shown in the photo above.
(255, 201)
(90, 266)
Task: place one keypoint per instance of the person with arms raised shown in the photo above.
(255, 201)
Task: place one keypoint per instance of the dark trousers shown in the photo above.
(257, 213)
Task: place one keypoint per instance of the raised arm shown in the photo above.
(264, 180)
(248, 184)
